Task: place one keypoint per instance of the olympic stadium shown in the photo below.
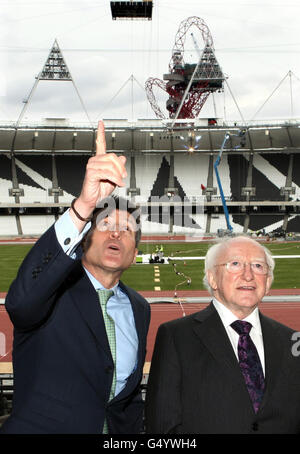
(195, 179)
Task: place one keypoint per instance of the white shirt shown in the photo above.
(228, 317)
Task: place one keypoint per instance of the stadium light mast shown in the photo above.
(132, 10)
(55, 69)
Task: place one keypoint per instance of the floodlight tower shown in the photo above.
(188, 85)
(55, 69)
(140, 10)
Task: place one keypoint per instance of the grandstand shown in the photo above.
(42, 167)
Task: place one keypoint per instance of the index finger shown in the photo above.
(100, 140)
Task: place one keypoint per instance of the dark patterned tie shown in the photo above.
(250, 363)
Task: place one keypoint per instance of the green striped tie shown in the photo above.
(104, 296)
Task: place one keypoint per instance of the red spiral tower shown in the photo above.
(188, 85)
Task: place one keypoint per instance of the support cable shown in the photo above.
(243, 120)
(270, 96)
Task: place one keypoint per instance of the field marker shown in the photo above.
(156, 277)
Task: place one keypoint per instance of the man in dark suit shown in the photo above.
(70, 374)
(208, 375)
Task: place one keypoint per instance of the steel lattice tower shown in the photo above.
(188, 85)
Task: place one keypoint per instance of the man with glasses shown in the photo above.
(79, 332)
(228, 368)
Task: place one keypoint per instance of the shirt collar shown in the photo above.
(228, 317)
(98, 286)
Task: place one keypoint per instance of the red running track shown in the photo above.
(287, 313)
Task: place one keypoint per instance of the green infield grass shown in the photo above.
(141, 276)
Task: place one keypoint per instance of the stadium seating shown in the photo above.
(5, 186)
(191, 171)
(5, 179)
(147, 169)
(8, 226)
(39, 174)
(35, 225)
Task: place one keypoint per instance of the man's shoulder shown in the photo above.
(195, 317)
(276, 325)
(133, 294)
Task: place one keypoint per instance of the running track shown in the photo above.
(287, 313)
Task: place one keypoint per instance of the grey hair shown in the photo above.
(215, 250)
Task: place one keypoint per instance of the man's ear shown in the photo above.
(268, 284)
(211, 279)
(134, 257)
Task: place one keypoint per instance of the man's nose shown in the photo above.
(248, 272)
(115, 233)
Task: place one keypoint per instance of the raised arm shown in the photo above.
(104, 172)
(43, 271)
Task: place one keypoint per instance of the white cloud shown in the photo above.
(256, 44)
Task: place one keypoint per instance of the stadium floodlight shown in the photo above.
(193, 142)
(132, 10)
(55, 69)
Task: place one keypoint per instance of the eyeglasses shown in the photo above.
(235, 266)
(107, 224)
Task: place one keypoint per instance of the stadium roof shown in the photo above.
(61, 136)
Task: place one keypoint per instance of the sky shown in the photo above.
(256, 43)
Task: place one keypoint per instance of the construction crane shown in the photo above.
(216, 164)
(188, 85)
(241, 135)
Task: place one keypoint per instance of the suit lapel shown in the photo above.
(139, 318)
(273, 351)
(210, 329)
(213, 334)
(138, 313)
(86, 300)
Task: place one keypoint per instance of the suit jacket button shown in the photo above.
(255, 426)
(67, 241)
(108, 369)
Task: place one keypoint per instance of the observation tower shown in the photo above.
(188, 85)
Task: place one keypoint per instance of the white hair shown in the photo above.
(214, 251)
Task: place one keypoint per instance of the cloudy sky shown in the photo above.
(256, 43)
